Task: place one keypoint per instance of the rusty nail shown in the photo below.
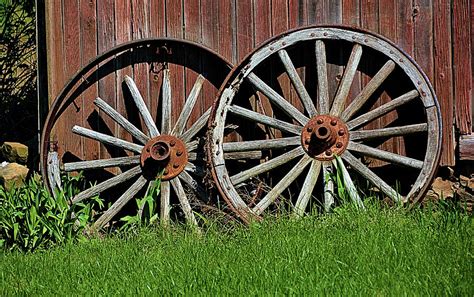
(148, 149)
(309, 129)
(320, 121)
(179, 153)
(333, 122)
(172, 142)
(423, 94)
(307, 140)
(328, 152)
(175, 165)
(341, 132)
(339, 144)
(165, 172)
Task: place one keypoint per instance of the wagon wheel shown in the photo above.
(168, 145)
(303, 98)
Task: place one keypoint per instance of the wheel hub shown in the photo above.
(325, 136)
(163, 153)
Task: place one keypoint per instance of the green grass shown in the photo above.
(378, 252)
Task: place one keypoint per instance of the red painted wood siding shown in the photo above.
(437, 33)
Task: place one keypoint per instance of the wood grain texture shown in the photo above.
(443, 76)
(88, 35)
(466, 147)
(462, 54)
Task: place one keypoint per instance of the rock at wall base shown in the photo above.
(14, 152)
(13, 175)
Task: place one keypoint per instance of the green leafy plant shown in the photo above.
(147, 207)
(32, 218)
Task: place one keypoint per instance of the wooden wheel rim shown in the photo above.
(170, 130)
(243, 71)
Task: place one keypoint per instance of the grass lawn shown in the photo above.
(377, 252)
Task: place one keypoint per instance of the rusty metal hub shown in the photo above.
(325, 136)
(163, 153)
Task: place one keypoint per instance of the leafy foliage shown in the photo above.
(31, 218)
(18, 108)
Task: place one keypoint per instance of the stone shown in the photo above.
(13, 175)
(14, 152)
(443, 188)
(464, 180)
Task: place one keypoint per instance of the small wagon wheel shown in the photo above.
(161, 135)
(299, 105)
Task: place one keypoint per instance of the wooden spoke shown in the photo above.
(104, 163)
(297, 83)
(196, 170)
(351, 189)
(322, 72)
(99, 188)
(370, 176)
(256, 155)
(346, 82)
(282, 185)
(140, 103)
(307, 189)
(276, 98)
(266, 120)
(388, 132)
(368, 90)
(264, 167)
(121, 120)
(278, 143)
(183, 201)
(381, 110)
(188, 107)
(107, 139)
(117, 206)
(328, 175)
(196, 127)
(194, 185)
(384, 155)
(165, 190)
(166, 103)
(192, 145)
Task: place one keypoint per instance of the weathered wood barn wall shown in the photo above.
(437, 33)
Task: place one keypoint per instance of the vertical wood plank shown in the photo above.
(298, 13)
(262, 21)
(244, 15)
(157, 28)
(462, 54)
(55, 61)
(174, 28)
(226, 29)
(139, 22)
(388, 28)
(90, 148)
(405, 31)
(105, 41)
(73, 114)
(351, 17)
(192, 32)
(209, 38)
(443, 78)
(123, 33)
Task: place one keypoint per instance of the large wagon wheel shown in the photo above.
(288, 110)
(167, 146)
